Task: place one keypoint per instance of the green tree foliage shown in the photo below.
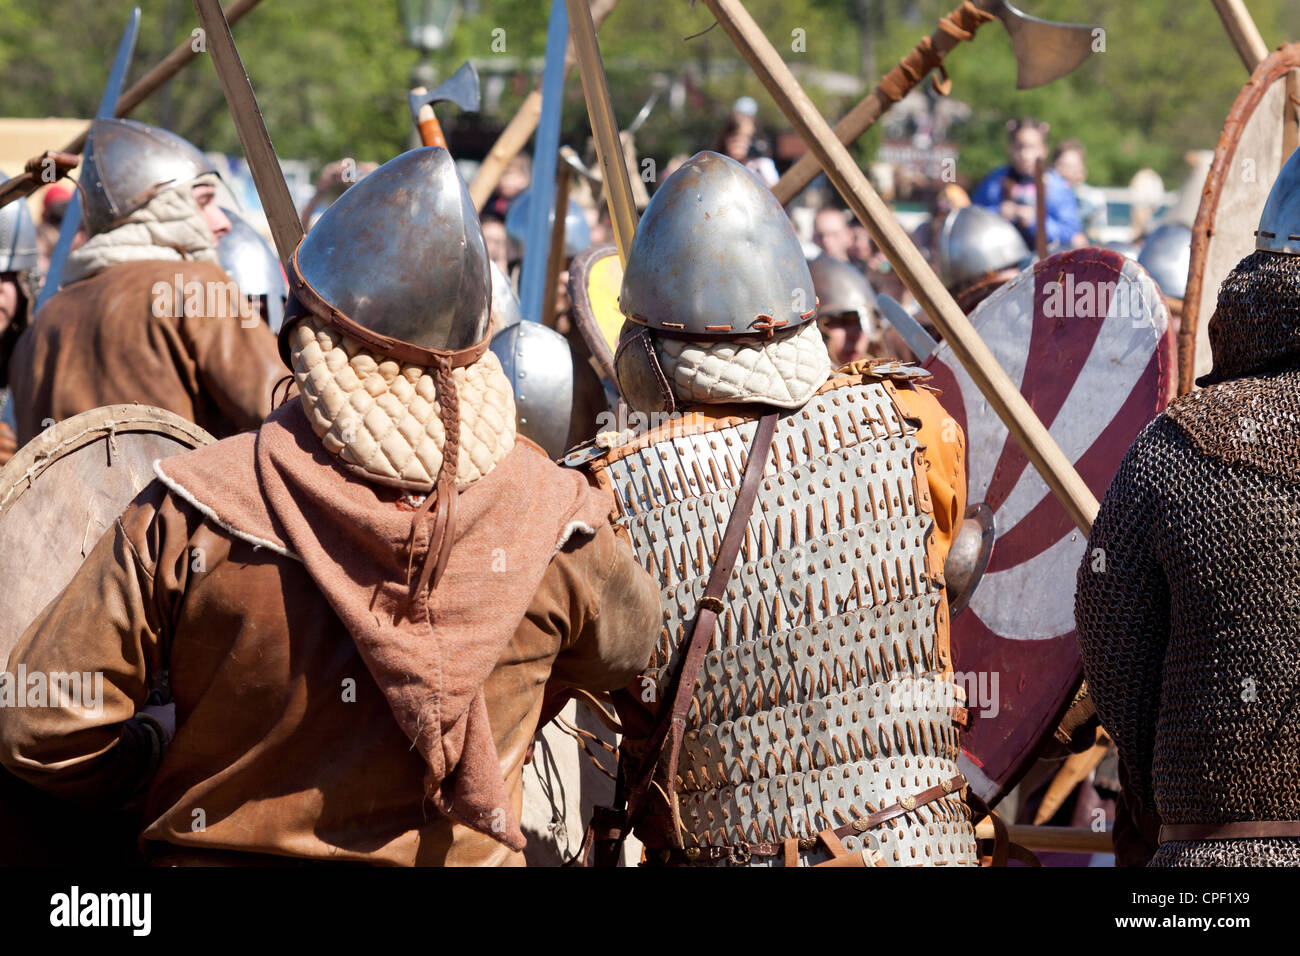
(331, 74)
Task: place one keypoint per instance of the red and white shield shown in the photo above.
(1086, 337)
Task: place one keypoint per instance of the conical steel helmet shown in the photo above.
(715, 256)
(253, 264)
(558, 401)
(399, 263)
(505, 304)
(974, 242)
(1167, 255)
(1279, 224)
(841, 288)
(128, 163)
(17, 236)
(577, 234)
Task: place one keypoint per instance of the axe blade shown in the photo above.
(461, 88)
(1044, 51)
(570, 158)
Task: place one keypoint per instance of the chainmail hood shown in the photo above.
(1256, 327)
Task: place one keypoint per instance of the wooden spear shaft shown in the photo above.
(1052, 839)
(166, 68)
(555, 255)
(604, 127)
(522, 126)
(1250, 46)
(1242, 31)
(916, 274)
(53, 164)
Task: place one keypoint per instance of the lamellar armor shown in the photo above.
(822, 699)
(803, 692)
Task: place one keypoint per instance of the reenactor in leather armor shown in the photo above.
(146, 313)
(357, 613)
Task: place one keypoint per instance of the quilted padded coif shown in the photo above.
(382, 417)
(784, 371)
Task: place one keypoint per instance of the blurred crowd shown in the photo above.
(975, 240)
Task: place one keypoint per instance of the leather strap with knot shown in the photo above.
(444, 493)
(956, 27)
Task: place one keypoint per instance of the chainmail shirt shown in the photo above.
(1187, 607)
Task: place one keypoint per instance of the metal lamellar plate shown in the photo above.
(833, 656)
(818, 702)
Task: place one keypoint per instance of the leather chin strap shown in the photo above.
(444, 493)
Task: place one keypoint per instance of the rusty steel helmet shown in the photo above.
(974, 242)
(577, 234)
(399, 263)
(1167, 255)
(128, 163)
(1279, 224)
(17, 236)
(716, 257)
(557, 399)
(253, 264)
(842, 289)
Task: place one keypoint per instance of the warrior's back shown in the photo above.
(823, 698)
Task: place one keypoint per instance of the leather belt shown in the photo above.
(1240, 830)
(741, 853)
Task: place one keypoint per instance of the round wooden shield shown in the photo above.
(1085, 335)
(64, 488)
(1256, 141)
(595, 277)
(58, 495)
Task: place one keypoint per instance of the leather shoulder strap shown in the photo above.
(672, 723)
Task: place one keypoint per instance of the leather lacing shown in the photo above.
(444, 494)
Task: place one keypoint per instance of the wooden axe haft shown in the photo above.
(969, 349)
(1044, 52)
(49, 167)
(927, 55)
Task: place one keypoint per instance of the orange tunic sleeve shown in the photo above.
(944, 458)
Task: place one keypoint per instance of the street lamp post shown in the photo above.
(428, 26)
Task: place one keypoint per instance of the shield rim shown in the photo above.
(70, 435)
(584, 313)
(1271, 69)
